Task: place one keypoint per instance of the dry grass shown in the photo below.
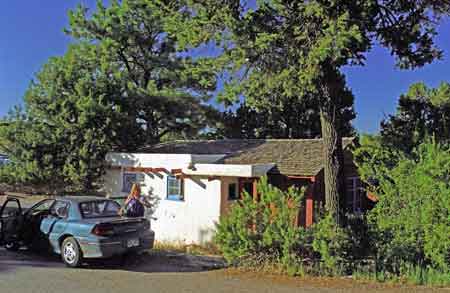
(206, 249)
(338, 284)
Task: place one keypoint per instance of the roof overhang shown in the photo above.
(228, 170)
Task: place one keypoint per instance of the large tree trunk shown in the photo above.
(333, 164)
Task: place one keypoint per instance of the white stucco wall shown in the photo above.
(190, 221)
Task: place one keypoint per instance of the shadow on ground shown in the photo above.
(10, 261)
(160, 261)
(149, 262)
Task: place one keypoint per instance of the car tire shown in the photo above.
(71, 253)
(12, 246)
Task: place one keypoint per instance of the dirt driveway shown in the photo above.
(158, 272)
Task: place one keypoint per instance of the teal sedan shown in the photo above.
(77, 228)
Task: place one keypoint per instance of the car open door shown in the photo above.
(11, 219)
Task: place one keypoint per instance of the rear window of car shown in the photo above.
(99, 209)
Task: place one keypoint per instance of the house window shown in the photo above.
(128, 180)
(232, 191)
(354, 194)
(248, 187)
(174, 188)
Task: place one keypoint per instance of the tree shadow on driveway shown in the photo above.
(10, 261)
(160, 262)
(148, 262)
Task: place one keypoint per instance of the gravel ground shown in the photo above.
(159, 272)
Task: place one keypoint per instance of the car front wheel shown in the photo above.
(71, 252)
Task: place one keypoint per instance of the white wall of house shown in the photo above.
(191, 220)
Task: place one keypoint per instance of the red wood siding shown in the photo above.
(314, 199)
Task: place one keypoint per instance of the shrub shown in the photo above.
(334, 246)
(404, 238)
(264, 230)
(235, 234)
(412, 217)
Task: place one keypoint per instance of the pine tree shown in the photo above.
(298, 48)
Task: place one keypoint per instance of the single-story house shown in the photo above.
(196, 181)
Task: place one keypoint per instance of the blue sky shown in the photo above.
(32, 31)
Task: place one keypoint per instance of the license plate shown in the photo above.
(132, 243)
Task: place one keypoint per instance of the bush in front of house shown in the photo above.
(406, 237)
(263, 234)
(334, 246)
(412, 218)
(263, 231)
(409, 227)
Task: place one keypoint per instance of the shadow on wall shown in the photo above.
(151, 202)
(112, 180)
(112, 185)
(198, 181)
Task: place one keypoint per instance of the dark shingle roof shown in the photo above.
(204, 147)
(291, 156)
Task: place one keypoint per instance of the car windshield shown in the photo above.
(99, 209)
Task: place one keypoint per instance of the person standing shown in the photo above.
(134, 206)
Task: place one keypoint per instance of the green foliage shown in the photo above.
(292, 118)
(69, 124)
(235, 234)
(410, 172)
(411, 218)
(422, 112)
(431, 276)
(409, 273)
(375, 160)
(263, 227)
(162, 87)
(283, 50)
(290, 49)
(263, 234)
(6, 174)
(334, 246)
(404, 239)
(121, 86)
